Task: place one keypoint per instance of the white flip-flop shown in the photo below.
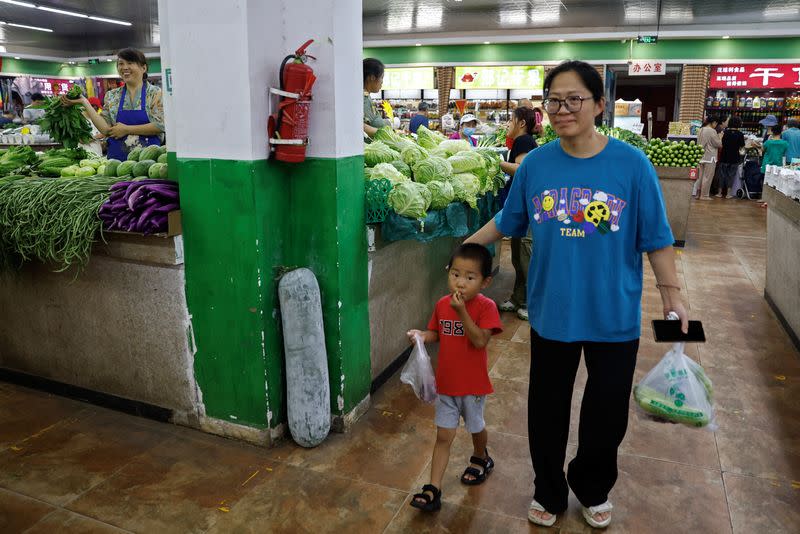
(588, 515)
(535, 506)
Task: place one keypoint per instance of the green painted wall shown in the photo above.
(327, 235)
(243, 220)
(677, 49)
(54, 69)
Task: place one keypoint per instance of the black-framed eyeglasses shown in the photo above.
(572, 104)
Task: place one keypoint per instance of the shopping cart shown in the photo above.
(752, 178)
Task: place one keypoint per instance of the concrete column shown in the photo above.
(246, 218)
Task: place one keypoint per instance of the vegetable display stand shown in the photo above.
(676, 187)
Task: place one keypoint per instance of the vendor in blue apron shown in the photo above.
(132, 115)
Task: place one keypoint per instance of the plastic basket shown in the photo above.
(377, 200)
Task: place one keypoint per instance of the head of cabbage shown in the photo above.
(406, 199)
(402, 167)
(388, 171)
(454, 146)
(468, 161)
(466, 188)
(428, 139)
(442, 194)
(379, 152)
(431, 169)
(412, 154)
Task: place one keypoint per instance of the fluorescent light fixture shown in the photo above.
(418, 44)
(487, 42)
(781, 11)
(399, 20)
(21, 4)
(637, 12)
(109, 60)
(37, 28)
(62, 12)
(512, 17)
(561, 40)
(17, 57)
(112, 21)
(545, 12)
(726, 36)
(429, 15)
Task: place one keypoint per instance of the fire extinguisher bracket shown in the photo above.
(286, 94)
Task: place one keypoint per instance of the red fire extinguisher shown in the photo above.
(288, 128)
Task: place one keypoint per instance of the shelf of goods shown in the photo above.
(754, 106)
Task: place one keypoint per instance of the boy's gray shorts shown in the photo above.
(450, 409)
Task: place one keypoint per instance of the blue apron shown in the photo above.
(117, 149)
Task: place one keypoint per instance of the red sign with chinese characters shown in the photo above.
(647, 67)
(755, 77)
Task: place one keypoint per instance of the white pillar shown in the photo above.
(223, 55)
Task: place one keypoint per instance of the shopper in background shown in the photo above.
(35, 110)
(730, 160)
(792, 136)
(373, 81)
(420, 119)
(709, 139)
(520, 130)
(775, 149)
(768, 122)
(466, 128)
(594, 206)
(133, 115)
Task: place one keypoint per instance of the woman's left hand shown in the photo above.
(118, 131)
(675, 305)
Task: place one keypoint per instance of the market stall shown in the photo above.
(753, 91)
(423, 196)
(404, 89)
(782, 289)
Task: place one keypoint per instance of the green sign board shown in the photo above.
(647, 39)
(408, 78)
(511, 77)
(94, 61)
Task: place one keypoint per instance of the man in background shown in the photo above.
(420, 119)
(792, 136)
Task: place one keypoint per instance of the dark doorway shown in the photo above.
(657, 94)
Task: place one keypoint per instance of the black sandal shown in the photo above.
(480, 476)
(431, 504)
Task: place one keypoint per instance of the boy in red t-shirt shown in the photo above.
(463, 322)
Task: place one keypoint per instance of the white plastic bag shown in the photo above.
(678, 390)
(418, 372)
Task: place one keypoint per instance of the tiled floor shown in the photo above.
(70, 467)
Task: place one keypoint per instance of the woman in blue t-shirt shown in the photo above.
(594, 206)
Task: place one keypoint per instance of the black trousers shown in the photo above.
(603, 420)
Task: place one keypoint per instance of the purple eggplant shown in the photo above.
(146, 214)
(167, 208)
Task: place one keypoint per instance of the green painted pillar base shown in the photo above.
(243, 222)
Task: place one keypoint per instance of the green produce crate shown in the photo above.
(376, 197)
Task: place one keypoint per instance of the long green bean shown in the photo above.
(51, 220)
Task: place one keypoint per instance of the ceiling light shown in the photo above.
(22, 4)
(781, 11)
(399, 20)
(561, 40)
(487, 42)
(513, 16)
(63, 12)
(112, 21)
(418, 44)
(545, 12)
(726, 36)
(109, 60)
(17, 57)
(37, 28)
(429, 15)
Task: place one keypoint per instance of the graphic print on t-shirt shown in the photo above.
(580, 211)
(451, 328)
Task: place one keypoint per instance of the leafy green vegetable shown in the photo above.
(401, 166)
(406, 199)
(442, 194)
(454, 146)
(413, 154)
(66, 124)
(392, 139)
(388, 171)
(466, 188)
(428, 139)
(469, 161)
(431, 169)
(377, 152)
